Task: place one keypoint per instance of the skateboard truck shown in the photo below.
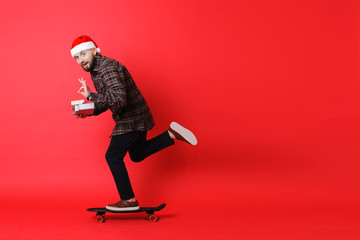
(151, 217)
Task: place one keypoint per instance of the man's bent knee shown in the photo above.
(136, 157)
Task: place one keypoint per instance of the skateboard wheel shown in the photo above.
(100, 218)
(153, 218)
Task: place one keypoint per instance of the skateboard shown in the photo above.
(100, 212)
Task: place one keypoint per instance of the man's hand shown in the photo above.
(84, 87)
(81, 116)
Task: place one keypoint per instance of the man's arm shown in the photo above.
(86, 92)
(98, 109)
(115, 94)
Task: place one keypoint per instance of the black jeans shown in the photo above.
(139, 148)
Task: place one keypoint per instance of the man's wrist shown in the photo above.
(89, 96)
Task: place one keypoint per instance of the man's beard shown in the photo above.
(91, 65)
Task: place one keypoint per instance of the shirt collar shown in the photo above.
(98, 58)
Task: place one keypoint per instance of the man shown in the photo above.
(117, 91)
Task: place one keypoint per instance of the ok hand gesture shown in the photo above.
(84, 87)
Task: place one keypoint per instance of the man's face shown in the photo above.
(86, 59)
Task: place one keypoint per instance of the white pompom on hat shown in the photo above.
(83, 43)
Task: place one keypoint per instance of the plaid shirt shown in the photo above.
(117, 91)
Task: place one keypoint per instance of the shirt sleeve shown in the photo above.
(115, 94)
(98, 109)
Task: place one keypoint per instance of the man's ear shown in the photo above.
(93, 50)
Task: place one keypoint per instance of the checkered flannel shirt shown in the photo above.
(117, 91)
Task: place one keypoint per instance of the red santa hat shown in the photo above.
(83, 43)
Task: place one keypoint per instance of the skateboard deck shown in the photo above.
(100, 212)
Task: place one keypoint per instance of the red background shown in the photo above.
(270, 88)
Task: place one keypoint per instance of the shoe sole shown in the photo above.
(122, 209)
(185, 133)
